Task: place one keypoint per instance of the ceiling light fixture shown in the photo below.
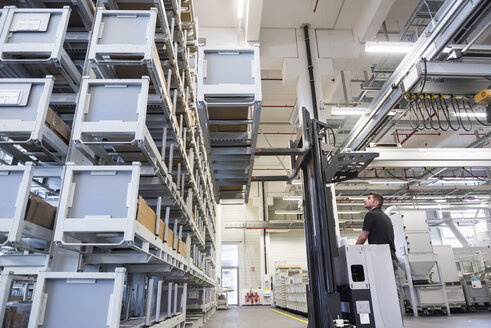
(464, 114)
(353, 111)
(388, 182)
(388, 47)
(240, 9)
(296, 182)
(292, 197)
(356, 198)
(288, 212)
(340, 110)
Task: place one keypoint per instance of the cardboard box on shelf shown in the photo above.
(16, 314)
(161, 230)
(145, 215)
(182, 249)
(55, 123)
(40, 212)
(170, 238)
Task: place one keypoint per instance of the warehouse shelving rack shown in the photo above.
(159, 151)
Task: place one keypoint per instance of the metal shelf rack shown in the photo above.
(136, 133)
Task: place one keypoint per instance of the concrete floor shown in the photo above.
(265, 317)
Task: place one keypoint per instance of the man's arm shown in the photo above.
(362, 237)
(367, 226)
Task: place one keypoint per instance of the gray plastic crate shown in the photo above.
(229, 73)
(98, 205)
(111, 118)
(4, 71)
(24, 104)
(36, 37)
(82, 14)
(33, 34)
(123, 46)
(21, 287)
(77, 299)
(17, 183)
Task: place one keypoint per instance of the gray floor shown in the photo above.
(259, 317)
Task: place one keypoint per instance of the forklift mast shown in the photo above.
(312, 154)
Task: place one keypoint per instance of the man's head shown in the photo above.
(373, 200)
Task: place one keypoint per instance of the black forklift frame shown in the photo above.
(312, 154)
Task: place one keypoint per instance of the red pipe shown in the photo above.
(272, 79)
(315, 8)
(403, 199)
(409, 136)
(412, 177)
(423, 134)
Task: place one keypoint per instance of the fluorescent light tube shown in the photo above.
(338, 110)
(297, 182)
(240, 9)
(471, 115)
(388, 47)
(292, 197)
(387, 182)
(349, 212)
(288, 212)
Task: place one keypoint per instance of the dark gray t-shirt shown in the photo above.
(381, 230)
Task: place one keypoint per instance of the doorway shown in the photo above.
(230, 272)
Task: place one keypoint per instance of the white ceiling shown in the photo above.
(333, 15)
(338, 14)
(295, 13)
(217, 13)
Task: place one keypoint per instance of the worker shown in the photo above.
(378, 229)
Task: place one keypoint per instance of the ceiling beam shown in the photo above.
(431, 157)
(253, 21)
(371, 19)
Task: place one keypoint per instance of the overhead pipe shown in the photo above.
(311, 71)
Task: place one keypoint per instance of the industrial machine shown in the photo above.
(367, 286)
(450, 277)
(424, 288)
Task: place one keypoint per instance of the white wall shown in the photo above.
(251, 257)
(287, 248)
(222, 37)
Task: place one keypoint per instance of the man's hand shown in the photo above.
(362, 237)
